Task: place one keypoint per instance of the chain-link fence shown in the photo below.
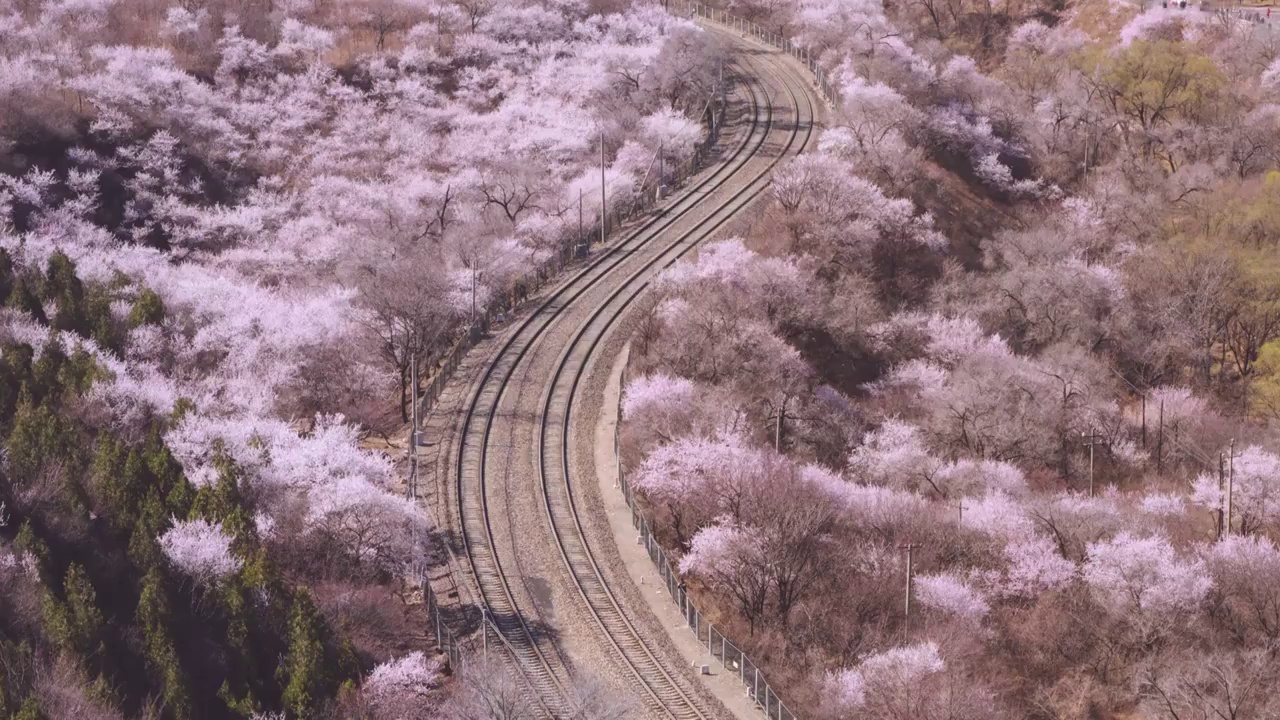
(718, 646)
(445, 641)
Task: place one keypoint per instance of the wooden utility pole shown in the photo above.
(960, 511)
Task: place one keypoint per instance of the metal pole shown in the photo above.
(1092, 433)
(910, 548)
(603, 199)
(1144, 421)
(777, 433)
(1231, 480)
(413, 433)
(1160, 441)
(484, 619)
(1222, 476)
(662, 170)
(910, 551)
(582, 235)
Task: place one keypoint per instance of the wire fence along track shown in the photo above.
(536, 658)
(730, 656)
(556, 414)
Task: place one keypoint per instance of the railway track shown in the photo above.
(623, 271)
(554, 443)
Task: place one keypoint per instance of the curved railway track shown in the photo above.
(554, 448)
(624, 272)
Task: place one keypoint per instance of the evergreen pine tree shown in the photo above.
(46, 373)
(24, 299)
(75, 624)
(15, 374)
(28, 542)
(304, 673)
(101, 324)
(6, 277)
(30, 710)
(155, 616)
(63, 287)
(148, 309)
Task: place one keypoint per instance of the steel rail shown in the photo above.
(563, 513)
(496, 595)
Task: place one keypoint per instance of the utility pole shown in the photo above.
(1144, 421)
(662, 149)
(473, 293)
(1222, 478)
(1160, 441)
(777, 431)
(603, 199)
(1231, 479)
(960, 511)
(1093, 440)
(582, 237)
(910, 547)
(413, 429)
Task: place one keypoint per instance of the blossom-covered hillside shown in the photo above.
(1003, 351)
(228, 230)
